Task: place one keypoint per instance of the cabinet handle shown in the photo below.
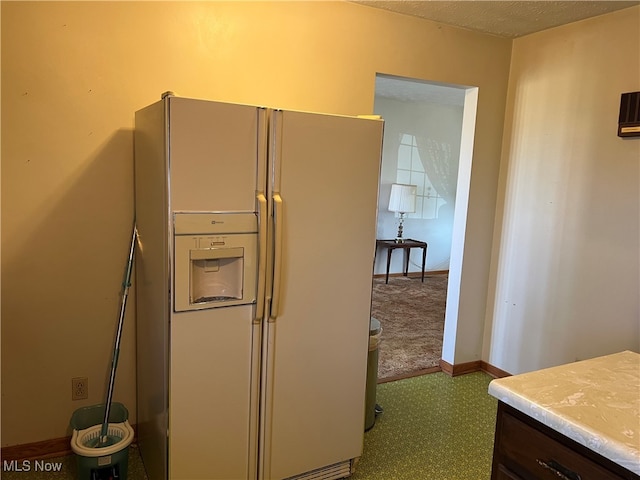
(558, 470)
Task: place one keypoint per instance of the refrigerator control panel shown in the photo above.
(215, 260)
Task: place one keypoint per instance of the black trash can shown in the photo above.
(375, 332)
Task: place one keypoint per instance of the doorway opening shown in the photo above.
(428, 143)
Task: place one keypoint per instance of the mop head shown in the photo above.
(87, 442)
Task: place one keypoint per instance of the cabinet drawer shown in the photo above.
(530, 453)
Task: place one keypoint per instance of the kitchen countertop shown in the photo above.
(594, 402)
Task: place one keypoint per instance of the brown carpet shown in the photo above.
(412, 317)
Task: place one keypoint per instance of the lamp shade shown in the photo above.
(403, 198)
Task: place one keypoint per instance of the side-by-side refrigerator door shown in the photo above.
(325, 172)
(215, 337)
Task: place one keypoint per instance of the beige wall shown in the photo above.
(568, 247)
(72, 76)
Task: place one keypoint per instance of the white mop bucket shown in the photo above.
(87, 425)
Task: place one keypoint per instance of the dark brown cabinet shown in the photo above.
(503, 473)
(525, 449)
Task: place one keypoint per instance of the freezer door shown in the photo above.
(216, 163)
(325, 171)
(198, 371)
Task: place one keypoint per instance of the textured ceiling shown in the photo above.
(502, 18)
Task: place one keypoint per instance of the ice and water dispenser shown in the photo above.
(215, 260)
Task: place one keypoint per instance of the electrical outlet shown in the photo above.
(79, 388)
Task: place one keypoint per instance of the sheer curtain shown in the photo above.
(436, 160)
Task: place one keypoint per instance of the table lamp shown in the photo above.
(402, 200)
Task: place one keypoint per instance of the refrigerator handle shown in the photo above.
(262, 254)
(277, 257)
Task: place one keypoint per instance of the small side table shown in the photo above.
(406, 246)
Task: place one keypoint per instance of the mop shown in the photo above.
(104, 439)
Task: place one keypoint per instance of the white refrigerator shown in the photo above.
(256, 238)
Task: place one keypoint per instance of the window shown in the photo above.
(411, 171)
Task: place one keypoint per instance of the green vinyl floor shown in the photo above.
(434, 427)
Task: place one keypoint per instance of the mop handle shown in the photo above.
(126, 283)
